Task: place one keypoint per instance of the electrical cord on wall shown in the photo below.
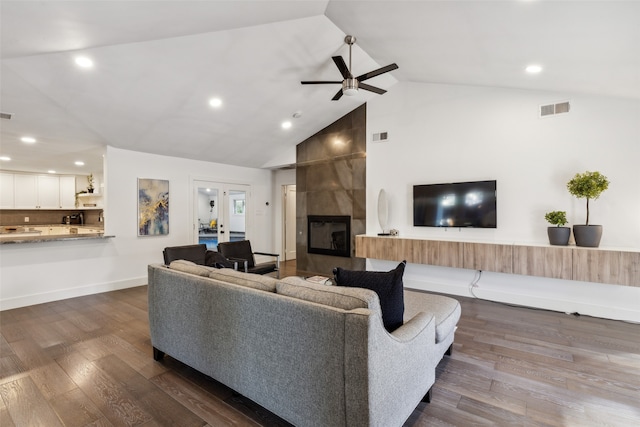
(478, 276)
(474, 283)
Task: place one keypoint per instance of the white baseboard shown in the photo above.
(607, 309)
(60, 294)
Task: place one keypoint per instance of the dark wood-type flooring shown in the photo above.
(88, 361)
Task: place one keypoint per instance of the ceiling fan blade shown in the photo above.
(377, 72)
(337, 95)
(371, 88)
(320, 82)
(342, 66)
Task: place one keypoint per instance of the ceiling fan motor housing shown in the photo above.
(350, 87)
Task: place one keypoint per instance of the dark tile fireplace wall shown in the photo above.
(331, 180)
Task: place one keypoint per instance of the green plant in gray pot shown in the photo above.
(558, 235)
(588, 185)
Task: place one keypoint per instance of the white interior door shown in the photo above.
(219, 212)
(289, 221)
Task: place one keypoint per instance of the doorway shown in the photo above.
(289, 222)
(220, 212)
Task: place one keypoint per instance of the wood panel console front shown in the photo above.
(557, 262)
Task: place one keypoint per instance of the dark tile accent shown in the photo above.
(331, 180)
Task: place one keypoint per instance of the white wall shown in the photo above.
(445, 133)
(32, 273)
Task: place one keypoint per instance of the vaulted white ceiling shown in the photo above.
(157, 64)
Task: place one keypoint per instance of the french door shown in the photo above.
(219, 212)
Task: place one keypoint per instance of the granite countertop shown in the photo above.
(5, 239)
(33, 233)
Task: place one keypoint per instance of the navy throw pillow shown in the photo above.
(388, 285)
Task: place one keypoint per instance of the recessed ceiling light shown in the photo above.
(84, 62)
(78, 163)
(5, 158)
(215, 102)
(28, 139)
(51, 171)
(286, 125)
(533, 69)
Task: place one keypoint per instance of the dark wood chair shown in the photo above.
(241, 252)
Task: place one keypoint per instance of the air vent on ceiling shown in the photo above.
(6, 116)
(380, 137)
(554, 109)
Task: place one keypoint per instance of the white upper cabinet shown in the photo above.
(48, 192)
(26, 191)
(31, 191)
(67, 192)
(6, 191)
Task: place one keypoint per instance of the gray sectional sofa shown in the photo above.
(315, 355)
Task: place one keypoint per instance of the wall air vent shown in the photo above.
(554, 109)
(380, 137)
(6, 116)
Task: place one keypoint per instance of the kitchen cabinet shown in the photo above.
(48, 187)
(25, 191)
(36, 191)
(6, 191)
(33, 191)
(67, 192)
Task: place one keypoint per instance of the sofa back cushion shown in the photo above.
(250, 280)
(334, 296)
(190, 267)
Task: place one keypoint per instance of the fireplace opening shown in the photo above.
(329, 235)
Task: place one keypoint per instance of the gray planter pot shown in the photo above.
(559, 236)
(587, 235)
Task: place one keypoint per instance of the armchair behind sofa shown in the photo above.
(241, 251)
(197, 254)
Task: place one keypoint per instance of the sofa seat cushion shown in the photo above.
(387, 284)
(190, 267)
(249, 280)
(445, 310)
(334, 296)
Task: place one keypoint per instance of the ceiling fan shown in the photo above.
(350, 84)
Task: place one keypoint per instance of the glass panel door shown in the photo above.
(220, 212)
(207, 206)
(237, 215)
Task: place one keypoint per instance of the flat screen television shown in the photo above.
(459, 204)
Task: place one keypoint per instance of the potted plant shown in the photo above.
(90, 181)
(558, 235)
(588, 185)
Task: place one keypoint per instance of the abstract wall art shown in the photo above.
(153, 207)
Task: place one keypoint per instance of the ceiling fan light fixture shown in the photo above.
(350, 87)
